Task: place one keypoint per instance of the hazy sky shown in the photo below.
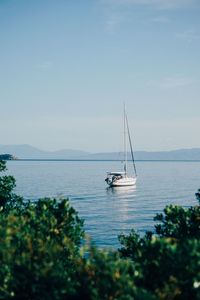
(67, 66)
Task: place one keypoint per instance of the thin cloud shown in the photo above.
(113, 23)
(44, 65)
(159, 4)
(117, 10)
(161, 19)
(170, 82)
(188, 36)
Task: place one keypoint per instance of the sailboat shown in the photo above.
(115, 179)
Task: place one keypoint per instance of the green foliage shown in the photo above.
(198, 195)
(39, 246)
(2, 165)
(7, 184)
(169, 262)
(104, 275)
(133, 244)
(178, 222)
(8, 199)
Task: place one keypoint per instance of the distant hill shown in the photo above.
(182, 154)
(30, 152)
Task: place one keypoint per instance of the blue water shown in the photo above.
(109, 211)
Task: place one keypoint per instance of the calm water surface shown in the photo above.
(109, 211)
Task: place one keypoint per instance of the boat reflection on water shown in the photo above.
(121, 191)
(121, 202)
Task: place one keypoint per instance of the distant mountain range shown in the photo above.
(30, 152)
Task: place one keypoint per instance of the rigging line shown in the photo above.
(129, 137)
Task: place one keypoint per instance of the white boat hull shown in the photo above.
(126, 181)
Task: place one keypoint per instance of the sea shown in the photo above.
(109, 212)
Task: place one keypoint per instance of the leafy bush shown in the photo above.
(8, 199)
(198, 195)
(39, 246)
(169, 262)
(178, 222)
(7, 183)
(103, 275)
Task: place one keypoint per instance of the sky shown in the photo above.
(67, 67)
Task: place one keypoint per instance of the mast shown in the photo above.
(125, 145)
(131, 147)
